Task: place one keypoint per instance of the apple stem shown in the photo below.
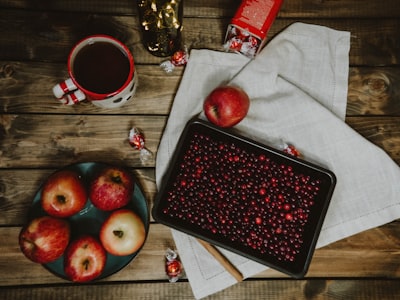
(28, 243)
(117, 179)
(61, 198)
(118, 233)
(86, 264)
(216, 111)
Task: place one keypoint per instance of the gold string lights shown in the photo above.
(161, 23)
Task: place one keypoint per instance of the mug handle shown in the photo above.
(68, 93)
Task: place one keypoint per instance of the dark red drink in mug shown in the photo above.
(101, 70)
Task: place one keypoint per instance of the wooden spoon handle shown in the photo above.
(222, 260)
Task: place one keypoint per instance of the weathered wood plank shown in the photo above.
(32, 141)
(56, 140)
(346, 258)
(226, 8)
(27, 88)
(373, 91)
(338, 9)
(50, 36)
(382, 131)
(37, 136)
(199, 8)
(382, 289)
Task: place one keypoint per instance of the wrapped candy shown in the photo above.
(240, 40)
(289, 149)
(173, 266)
(179, 58)
(282, 145)
(136, 140)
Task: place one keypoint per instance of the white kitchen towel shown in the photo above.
(298, 91)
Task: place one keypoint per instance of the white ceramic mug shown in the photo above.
(101, 70)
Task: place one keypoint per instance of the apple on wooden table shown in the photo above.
(226, 105)
(112, 188)
(63, 194)
(44, 239)
(123, 232)
(84, 259)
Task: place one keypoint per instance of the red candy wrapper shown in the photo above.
(239, 40)
(173, 266)
(136, 140)
(249, 27)
(178, 59)
(289, 149)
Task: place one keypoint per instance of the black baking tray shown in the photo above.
(244, 196)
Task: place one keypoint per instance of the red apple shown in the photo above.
(122, 233)
(226, 106)
(84, 259)
(63, 194)
(44, 239)
(111, 189)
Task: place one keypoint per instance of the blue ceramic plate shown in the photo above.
(89, 220)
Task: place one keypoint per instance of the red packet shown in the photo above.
(249, 27)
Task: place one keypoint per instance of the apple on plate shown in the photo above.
(123, 232)
(112, 188)
(226, 106)
(44, 239)
(84, 259)
(63, 194)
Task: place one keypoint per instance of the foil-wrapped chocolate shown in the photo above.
(178, 59)
(173, 266)
(137, 141)
(240, 40)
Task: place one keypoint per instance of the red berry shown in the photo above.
(242, 197)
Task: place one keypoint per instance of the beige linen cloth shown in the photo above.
(298, 90)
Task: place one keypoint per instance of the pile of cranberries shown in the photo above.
(244, 196)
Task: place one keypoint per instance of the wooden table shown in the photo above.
(38, 136)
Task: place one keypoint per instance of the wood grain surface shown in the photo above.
(38, 136)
